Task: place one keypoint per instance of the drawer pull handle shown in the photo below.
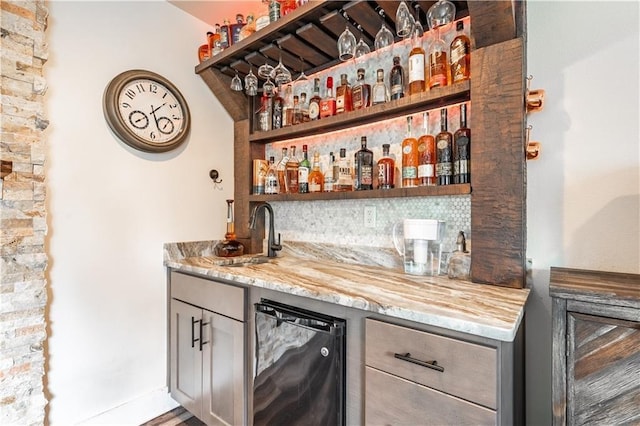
(429, 364)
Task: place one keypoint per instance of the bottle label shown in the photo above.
(356, 97)
(314, 187)
(271, 184)
(303, 175)
(277, 115)
(384, 176)
(314, 110)
(458, 52)
(444, 169)
(409, 172)
(406, 149)
(416, 67)
(366, 175)
(426, 170)
(340, 103)
(397, 91)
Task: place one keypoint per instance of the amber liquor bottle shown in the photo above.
(314, 102)
(444, 152)
(281, 168)
(287, 109)
(363, 161)
(416, 65)
(410, 159)
(361, 92)
(328, 104)
(292, 172)
(462, 149)
(344, 102)
(438, 65)
(427, 154)
(396, 79)
(316, 178)
(386, 169)
(459, 54)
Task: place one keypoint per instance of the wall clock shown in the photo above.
(146, 111)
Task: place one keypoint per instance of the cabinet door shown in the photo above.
(186, 357)
(223, 371)
(603, 363)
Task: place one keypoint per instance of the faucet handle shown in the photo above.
(277, 246)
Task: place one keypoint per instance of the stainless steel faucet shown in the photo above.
(272, 246)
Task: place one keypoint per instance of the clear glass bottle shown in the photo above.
(386, 169)
(316, 178)
(292, 171)
(460, 55)
(230, 246)
(417, 82)
(462, 150)
(444, 152)
(314, 102)
(271, 184)
(282, 172)
(262, 17)
(297, 111)
(410, 158)
(438, 64)
(304, 107)
(379, 91)
(277, 107)
(328, 103)
(304, 167)
(363, 167)
(459, 266)
(264, 113)
(330, 174)
(427, 150)
(396, 79)
(345, 173)
(361, 93)
(287, 111)
(344, 102)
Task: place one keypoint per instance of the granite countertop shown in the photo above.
(483, 310)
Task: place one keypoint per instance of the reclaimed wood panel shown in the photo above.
(498, 166)
(235, 103)
(492, 22)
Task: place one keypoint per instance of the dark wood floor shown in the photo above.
(176, 417)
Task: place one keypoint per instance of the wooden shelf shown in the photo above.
(426, 191)
(434, 98)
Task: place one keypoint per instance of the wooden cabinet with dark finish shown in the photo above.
(596, 347)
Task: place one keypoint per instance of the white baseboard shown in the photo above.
(137, 411)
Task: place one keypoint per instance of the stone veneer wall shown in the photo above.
(23, 259)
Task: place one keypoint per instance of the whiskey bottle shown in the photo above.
(379, 91)
(344, 102)
(462, 150)
(271, 185)
(292, 172)
(386, 169)
(328, 104)
(363, 167)
(304, 107)
(277, 108)
(236, 28)
(438, 64)
(314, 102)
(416, 65)
(225, 34)
(282, 172)
(396, 79)
(459, 54)
(229, 247)
(303, 172)
(297, 112)
(316, 178)
(262, 19)
(444, 152)
(345, 173)
(427, 156)
(330, 174)
(410, 159)
(361, 93)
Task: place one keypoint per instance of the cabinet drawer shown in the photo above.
(391, 400)
(469, 370)
(217, 297)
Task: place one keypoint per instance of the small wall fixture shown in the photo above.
(534, 98)
(533, 148)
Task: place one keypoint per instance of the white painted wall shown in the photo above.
(583, 192)
(111, 208)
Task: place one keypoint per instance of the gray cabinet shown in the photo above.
(207, 348)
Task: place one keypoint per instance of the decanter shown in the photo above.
(229, 247)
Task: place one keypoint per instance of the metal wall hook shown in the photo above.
(214, 175)
(534, 98)
(533, 149)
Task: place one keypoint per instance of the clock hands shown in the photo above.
(164, 124)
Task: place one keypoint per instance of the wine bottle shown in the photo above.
(462, 149)
(444, 148)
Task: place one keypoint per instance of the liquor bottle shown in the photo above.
(379, 91)
(297, 112)
(416, 65)
(287, 110)
(262, 17)
(438, 64)
(396, 79)
(316, 178)
(363, 167)
(229, 247)
(248, 28)
(282, 172)
(427, 150)
(287, 6)
(274, 11)
(459, 54)
(225, 34)
(235, 28)
(460, 261)
(292, 172)
(444, 148)
(264, 113)
(344, 102)
(386, 169)
(328, 104)
(303, 172)
(314, 102)
(304, 108)
(345, 174)
(361, 93)
(330, 174)
(462, 150)
(277, 107)
(410, 158)
(216, 42)
(204, 52)
(271, 185)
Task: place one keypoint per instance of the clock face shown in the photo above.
(146, 111)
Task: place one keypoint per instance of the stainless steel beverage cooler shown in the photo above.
(299, 376)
